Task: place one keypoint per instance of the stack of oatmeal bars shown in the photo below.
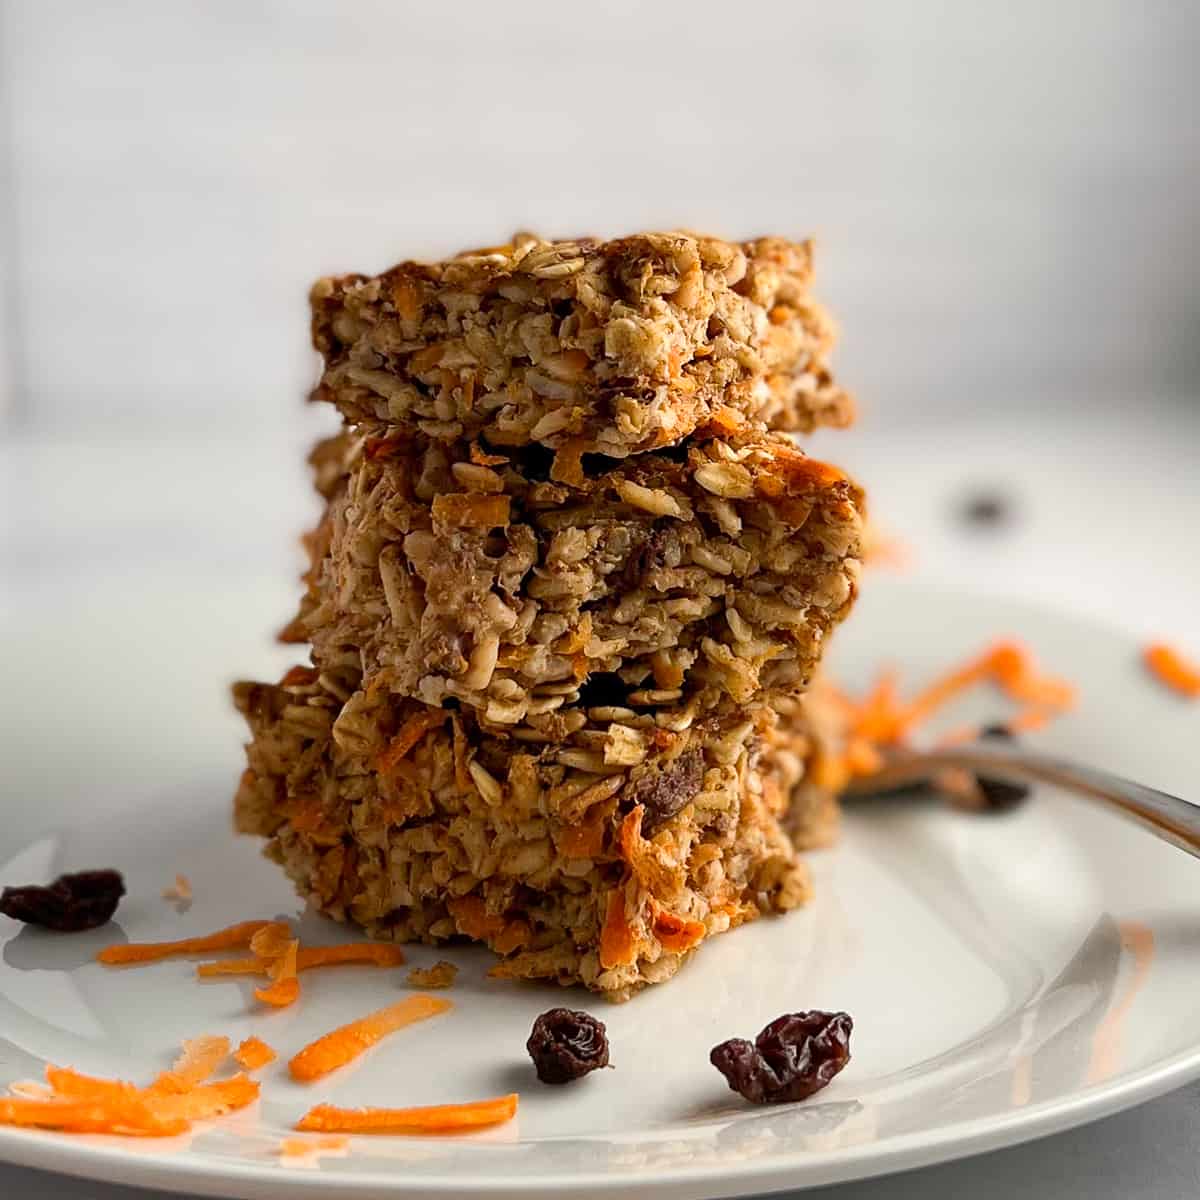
(569, 591)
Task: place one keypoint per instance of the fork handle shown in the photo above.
(1172, 819)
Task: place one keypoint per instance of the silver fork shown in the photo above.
(1172, 819)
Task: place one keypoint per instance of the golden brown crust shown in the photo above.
(622, 346)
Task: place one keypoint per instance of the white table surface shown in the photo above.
(1104, 513)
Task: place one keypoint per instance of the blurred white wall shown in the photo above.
(1006, 195)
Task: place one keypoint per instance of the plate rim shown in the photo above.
(251, 1181)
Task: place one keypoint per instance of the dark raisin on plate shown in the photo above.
(998, 794)
(795, 1056)
(566, 1044)
(72, 903)
(987, 509)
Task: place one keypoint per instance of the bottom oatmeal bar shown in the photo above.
(414, 823)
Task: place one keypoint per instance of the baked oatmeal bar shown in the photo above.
(697, 576)
(612, 347)
(418, 824)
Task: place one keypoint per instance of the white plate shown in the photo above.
(989, 963)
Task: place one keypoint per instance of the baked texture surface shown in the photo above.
(614, 346)
(689, 578)
(417, 824)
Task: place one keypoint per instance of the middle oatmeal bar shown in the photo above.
(697, 576)
(613, 347)
(418, 824)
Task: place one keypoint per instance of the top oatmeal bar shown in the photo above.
(609, 347)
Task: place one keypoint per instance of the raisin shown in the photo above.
(988, 510)
(71, 903)
(664, 793)
(999, 795)
(795, 1056)
(649, 557)
(566, 1045)
(997, 733)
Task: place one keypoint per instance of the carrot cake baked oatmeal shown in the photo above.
(417, 824)
(564, 606)
(615, 346)
(710, 572)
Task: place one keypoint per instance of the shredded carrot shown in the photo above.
(582, 841)
(231, 966)
(181, 889)
(473, 919)
(411, 732)
(642, 856)
(435, 1118)
(376, 954)
(283, 966)
(312, 1147)
(617, 945)
(89, 1116)
(342, 1045)
(882, 719)
(279, 994)
(169, 1105)
(1168, 666)
(271, 940)
(513, 936)
(204, 1100)
(676, 934)
(72, 1084)
(254, 1053)
(233, 938)
(863, 757)
(200, 1058)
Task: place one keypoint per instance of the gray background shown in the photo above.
(1005, 194)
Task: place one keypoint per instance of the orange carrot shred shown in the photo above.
(130, 1117)
(677, 934)
(434, 1118)
(76, 1086)
(200, 1058)
(205, 1100)
(181, 889)
(233, 938)
(166, 1104)
(411, 732)
(306, 1147)
(472, 917)
(254, 1053)
(617, 945)
(376, 954)
(346, 1043)
(513, 936)
(271, 940)
(1168, 666)
(231, 966)
(283, 966)
(281, 993)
